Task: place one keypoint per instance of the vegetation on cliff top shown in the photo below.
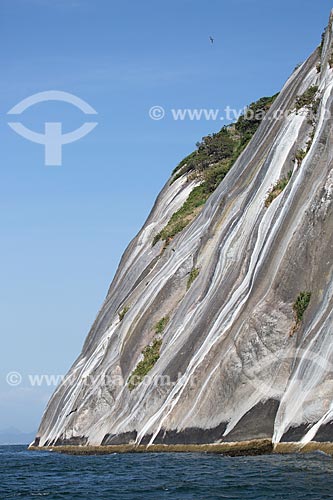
(210, 163)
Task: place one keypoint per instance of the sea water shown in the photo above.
(177, 476)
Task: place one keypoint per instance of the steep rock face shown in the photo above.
(237, 359)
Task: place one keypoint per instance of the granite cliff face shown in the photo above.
(235, 312)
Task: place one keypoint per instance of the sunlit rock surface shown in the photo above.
(233, 364)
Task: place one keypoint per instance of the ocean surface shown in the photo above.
(30, 475)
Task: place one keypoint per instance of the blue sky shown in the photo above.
(63, 229)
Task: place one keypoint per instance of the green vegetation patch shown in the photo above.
(161, 324)
(307, 99)
(184, 215)
(193, 275)
(277, 189)
(300, 155)
(210, 150)
(300, 305)
(210, 163)
(122, 313)
(248, 123)
(184, 166)
(151, 354)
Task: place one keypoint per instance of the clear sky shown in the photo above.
(63, 229)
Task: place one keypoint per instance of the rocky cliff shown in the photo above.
(221, 330)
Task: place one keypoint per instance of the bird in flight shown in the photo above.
(211, 39)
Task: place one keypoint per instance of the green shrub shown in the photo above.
(307, 98)
(216, 147)
(193, 275)
(122, 313)
(300, 305)
(156, 238)
(214, 176)
(151, 354)
(249, 122)
(161, 324)
(300, 155)
(277, 189)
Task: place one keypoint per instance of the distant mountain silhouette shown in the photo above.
(14, 436)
